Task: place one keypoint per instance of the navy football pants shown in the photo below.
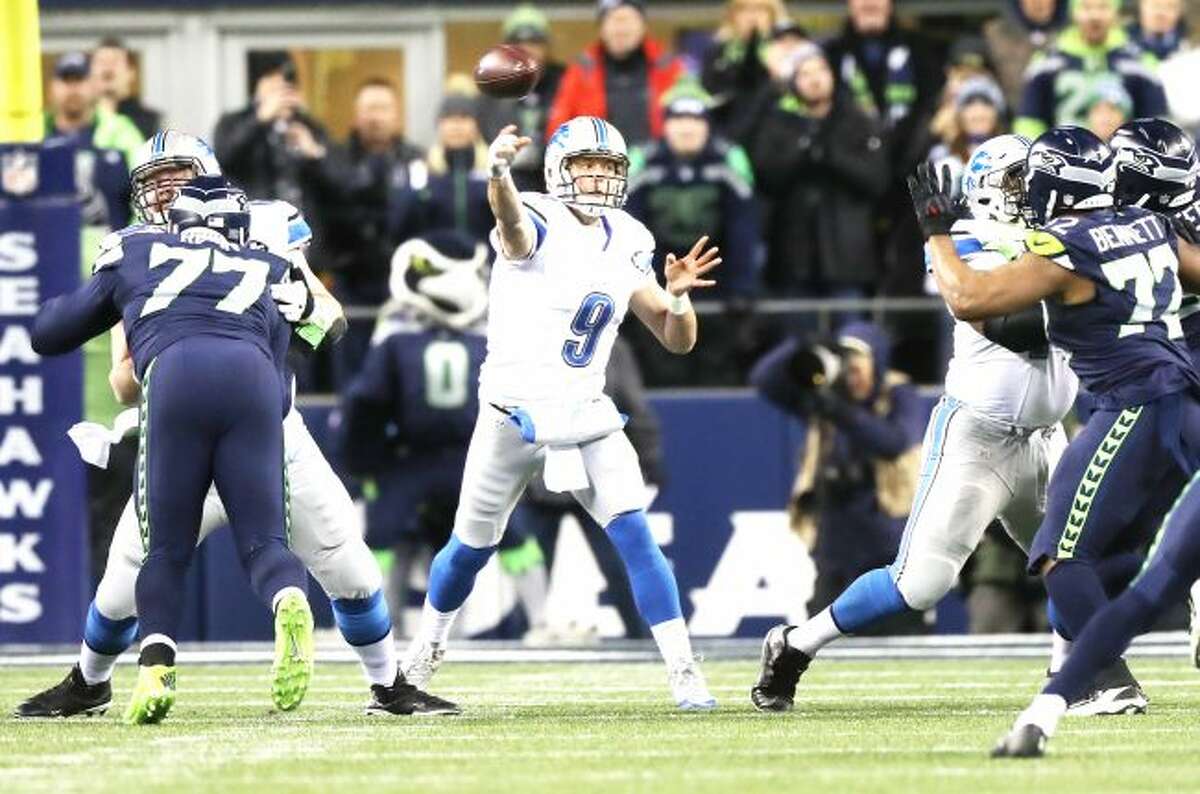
(211, 413)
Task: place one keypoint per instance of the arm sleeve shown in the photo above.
(1023, 332)
(881, 436)
(66, 322)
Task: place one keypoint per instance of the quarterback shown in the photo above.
(569, 264)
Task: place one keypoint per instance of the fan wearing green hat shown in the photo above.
(1093, 49)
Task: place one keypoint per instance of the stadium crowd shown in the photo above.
(789, 149)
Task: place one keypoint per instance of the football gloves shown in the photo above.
(934, 199)
(294, 300)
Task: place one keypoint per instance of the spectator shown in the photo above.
(450, 192)
(968, 58)
(540, 513)
(738, 120)
(1108, 107)
(1025, 29)
(264, 146)
(693, 183)
(822, 161)
(894, 75)
(858, 468)
(1178, 75)
(621, 77)
(1093, 49)
(408, 415)
(526, 27)
(114, 71)
(978, 115)
(105, 143)
(352, 185)
(1160, 28)
(735, 69)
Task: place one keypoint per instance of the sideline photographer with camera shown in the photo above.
(859, 464)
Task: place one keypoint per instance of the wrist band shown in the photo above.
(679, 304)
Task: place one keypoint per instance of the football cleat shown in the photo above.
(153, 695)
(782, 666)
(424, 659)
(69, 697)
(1023, 741)
(1116, 692)
(403, 698)
(292, 669)
(689, 688)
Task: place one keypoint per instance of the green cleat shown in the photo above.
(153, 695)
(293, 666)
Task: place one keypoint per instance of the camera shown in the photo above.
(816, 366)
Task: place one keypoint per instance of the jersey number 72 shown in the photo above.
(1155, 300)
(190, 263)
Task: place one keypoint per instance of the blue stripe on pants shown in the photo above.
(946, 409)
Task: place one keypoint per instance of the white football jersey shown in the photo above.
(553, 317)
(1029, 391)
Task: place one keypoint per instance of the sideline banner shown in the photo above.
(43, 497)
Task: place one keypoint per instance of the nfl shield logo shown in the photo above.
(19, 171)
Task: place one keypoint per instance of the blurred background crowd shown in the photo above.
(787, 142)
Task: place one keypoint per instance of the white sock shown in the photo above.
(95, 667)
(435, 625)
(379, 661)
(815, 633)
(1060, 649)
(158, 639)
(1045, 711)
(283, 592)
(673, 642)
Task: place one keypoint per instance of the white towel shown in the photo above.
(562, 428)
(95, 441)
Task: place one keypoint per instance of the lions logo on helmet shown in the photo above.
(590, 137)
(440, 277)
(163, 165)
(209, 209)
(994, 179)
(1156, 163)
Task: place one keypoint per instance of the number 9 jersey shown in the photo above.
(553, 316)
(1126, 344)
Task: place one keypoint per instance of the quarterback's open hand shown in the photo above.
(934, 199)
(683, 274)
(504, 150)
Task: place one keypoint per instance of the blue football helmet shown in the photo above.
(1156, 165)
(1068, 168)
(210, 204)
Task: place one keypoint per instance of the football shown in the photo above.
(507, 71)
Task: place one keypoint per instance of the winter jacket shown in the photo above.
(255, 157)
(823, 177)
(1013, 40)
(711, 194)
(735, 74)
(583, 89)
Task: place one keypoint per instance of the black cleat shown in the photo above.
(67, 698)
(782, 666)
(1025, 741)
(404, 698)
(1116, 691)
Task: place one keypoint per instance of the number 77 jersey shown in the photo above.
(1126, 344)
(553, 316)
(166, 289)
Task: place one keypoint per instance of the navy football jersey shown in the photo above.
(166, 289)
(1187, 225)
(1126, 344)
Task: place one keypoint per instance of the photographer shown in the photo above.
(859, 463)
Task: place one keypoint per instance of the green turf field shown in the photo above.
(861, 726)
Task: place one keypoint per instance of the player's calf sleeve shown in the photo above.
(367, 627)
(869, 598)
(654, 589)
(271, 568)
(160, 594)
(1117, 571)
(104, 639)
(1077, 594)
(452, 575)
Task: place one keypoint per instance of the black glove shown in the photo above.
(934, 201)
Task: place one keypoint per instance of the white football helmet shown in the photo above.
(167, 150)
(435, 277)
(586, 136)
(993, 180)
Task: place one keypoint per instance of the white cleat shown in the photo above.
(689, 688)
(423, 660)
